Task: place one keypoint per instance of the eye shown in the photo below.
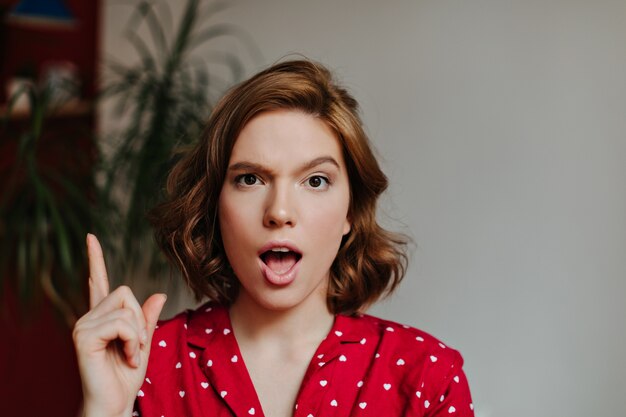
(318, 182)
(247, 179)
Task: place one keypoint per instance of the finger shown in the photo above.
(152, 308)
(127, 336)
(121, 298)
(125, 314)
(96, 335)
(98, 279)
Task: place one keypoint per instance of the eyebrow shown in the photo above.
(251, 166)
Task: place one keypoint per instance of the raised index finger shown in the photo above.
(98, 279)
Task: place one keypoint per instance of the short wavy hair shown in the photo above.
(371, 261)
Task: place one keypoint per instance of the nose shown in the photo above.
(280, 207)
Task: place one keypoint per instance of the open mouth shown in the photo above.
(280, 259)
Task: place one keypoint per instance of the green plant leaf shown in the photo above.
(156, 30)
(142, 49)
(165, 98)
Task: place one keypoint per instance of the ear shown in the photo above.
(347, 226)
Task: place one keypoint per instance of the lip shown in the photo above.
(270, 276)
(279, 244)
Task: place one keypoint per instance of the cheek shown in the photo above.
(233, 218)
(234, 208)
(328, 224)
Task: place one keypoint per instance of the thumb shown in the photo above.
(151, 310)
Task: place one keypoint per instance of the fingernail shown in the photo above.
(137, 359)
(144, 336)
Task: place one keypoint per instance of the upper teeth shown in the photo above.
(280, 250)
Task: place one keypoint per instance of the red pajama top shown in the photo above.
(365, 366)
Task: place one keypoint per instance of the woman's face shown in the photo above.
(283, 209)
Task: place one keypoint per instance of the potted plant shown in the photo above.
(165, 97)
(47, 204)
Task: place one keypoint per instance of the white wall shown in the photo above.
(502, 127)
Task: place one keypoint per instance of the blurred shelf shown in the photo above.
(71, 109)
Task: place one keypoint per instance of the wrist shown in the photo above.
(90, 410)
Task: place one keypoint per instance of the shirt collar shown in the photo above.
(210, 319)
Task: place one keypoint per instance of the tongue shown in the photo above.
(280, 262)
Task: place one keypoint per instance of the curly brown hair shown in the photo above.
(371, 261)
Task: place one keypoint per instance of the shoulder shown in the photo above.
(428, 372)
(202, 318)
(173, 336)
(413, 356)
(174, 365)
(172, 326)
(168, 340)
(401, 339)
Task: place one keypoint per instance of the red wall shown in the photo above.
(38, 371)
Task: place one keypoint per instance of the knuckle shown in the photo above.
(125, 323)
(78, 328)
(76, 333)
(125, 290)
(78, 323)
(127, 314)
(79, 335)
(120, 323)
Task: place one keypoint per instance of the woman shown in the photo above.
(272, 217)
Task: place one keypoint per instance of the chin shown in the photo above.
(278, 302)
(285, 299)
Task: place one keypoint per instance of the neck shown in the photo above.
(308, 322)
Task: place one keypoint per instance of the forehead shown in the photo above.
(284, 137)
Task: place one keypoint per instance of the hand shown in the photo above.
(113, 341)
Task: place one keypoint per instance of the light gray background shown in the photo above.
(501, 125)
